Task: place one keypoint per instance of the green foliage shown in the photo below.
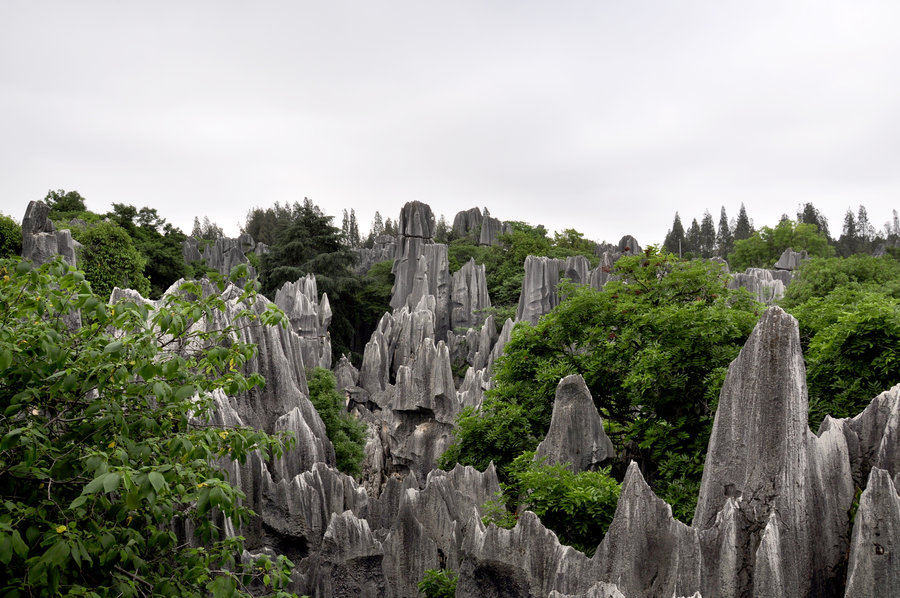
(346, 434)
(438, 583)
(158, 242)
(308, 243)
(578, 507)
(62, 202)
(496, 513)
(110, 259)
(653, 349)
(819, 276)
(763, 248)
(106, 445)
(853, 349)
(10, 237)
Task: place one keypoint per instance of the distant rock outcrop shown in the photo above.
(383, 249)
(309, 317)
(791, 260)
(467, 221)
(576, 437)
(41, 242)
(762, 284)
(468, 296)
(539, 295)
(491, 229)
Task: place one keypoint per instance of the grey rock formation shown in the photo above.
(539, 294)
(190, 251)
(491, 229)
(496, 562)
(345, 374)
(468, 296)
(598, 590)
(793, 488)
(760, 282)
(383, 249)
(41, 242)
(874, 568)
(467, 221)
(416, 220)
(225, 254)
(309, 317)
(577, 269)
(576, 437)
(645, 551)
(791, 260)
(628, 245)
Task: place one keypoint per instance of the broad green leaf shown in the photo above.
(157, 480)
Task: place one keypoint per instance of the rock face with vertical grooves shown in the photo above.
(468, 296)
(41, 242)
(645, 551)
(491, 229)
(793, 487)
(874, 568)
(384, 248)
(309, 316)
(765, 287)
(225, 254)
(791, 260)
(576, 437)
(467, 221)
(539, 294)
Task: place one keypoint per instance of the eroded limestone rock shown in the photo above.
(874, 568)
(576, 437)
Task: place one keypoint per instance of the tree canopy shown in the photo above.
(106, 446)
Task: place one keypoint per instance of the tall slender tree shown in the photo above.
(743, 228)
(724, 236)
(809, 214)
(674, 242)
(707, 235)
(848, 244)
(692, 238)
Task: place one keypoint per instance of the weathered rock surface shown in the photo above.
(309, 316)
(491, 229)
(793, 487)
(760, 282)
(346, 374)
(469, 296)
(874, 568)
(873, 436)
(41, 242)
(383, 249)
(791, 260)
(576, 437)
(467, 221)
(539, 295)
(225, 254)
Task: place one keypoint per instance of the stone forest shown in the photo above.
(510, 415)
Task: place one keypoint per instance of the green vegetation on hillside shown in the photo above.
(107, 448)
(346, 434)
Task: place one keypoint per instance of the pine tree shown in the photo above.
(808, 214)
(345, 227)
(197, 231)
(674, 242)
(377, 225)
(389, 228)
(848, 244)
(692, 239)
(743, 228)
(865, 228)
(724, 238)
(354, 229)
(707, 235)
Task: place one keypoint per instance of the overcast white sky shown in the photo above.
(603, 116)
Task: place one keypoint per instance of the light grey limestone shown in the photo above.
(309, 316)
(760, 282)
(874, 568)
(791, 260)
(467, 221)
(576, 437)
(41, 242)
(539, 293)
(491, 229)
(345, 373)
(469, 296)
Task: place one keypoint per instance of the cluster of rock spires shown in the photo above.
(224, 254)
(767, 285)
(773, 515)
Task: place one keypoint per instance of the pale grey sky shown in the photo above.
(602, 116)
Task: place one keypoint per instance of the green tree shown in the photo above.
(808, 214)
(743, 228)
(675, 242)
(438, 583)
(692, 240)
(853, 349)
(653, 348)
(763, 248)
(578, 507)
(158, 242)
(707, 236)
(110, 259)
(61, 201)
(849, 241)
(820, 276)
(10, 237)
(724, 236)
(346, 434)
(106, 445)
